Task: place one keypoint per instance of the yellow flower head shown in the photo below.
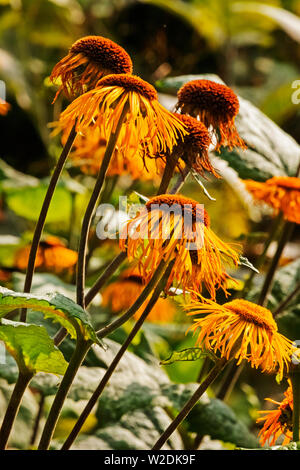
(278, 422)
(216, 106)
(176, 227)
(52, 255)
(280, 192)
(245, 325)
(121, 295)
(89, 59)
(4, 107)
(148, 128)
(88, 151)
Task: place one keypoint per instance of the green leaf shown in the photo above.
(135, 406)
(27, 202)
(190, 354)
(270, 152)
(32, 348)
(55, 306)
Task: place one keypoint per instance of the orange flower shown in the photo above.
(244, 324)
(89, 59)
(216, 106)
(173, 226)
(4, 107)
(278, 422)
(280, 192)
(122, 294)
(193, 148)
(88, 152)
(148, 129)
(52, 255)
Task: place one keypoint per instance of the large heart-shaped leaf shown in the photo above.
(270, 152)
(32, 348)
(55, 306)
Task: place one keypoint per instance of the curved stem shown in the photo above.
(287, 300)
(180, 180)
(37, 420)
(171, 163)
(13, 407)
(106, 330)
(109, 271)
(262, 256)
(287, 231)
(215, 371)
(97, 393)
(82, 347)
(43, 214)
(81, 264)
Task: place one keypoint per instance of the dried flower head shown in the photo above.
(280, 192)
(216, 106)
(121, 295)
(148, 128)
(244, 324)
(278, 422)
(176, 227)
(193, 148)
(89, 59)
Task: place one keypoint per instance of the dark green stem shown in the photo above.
(82, 347)
(286, 301)
(287, 231)
(43, 214)
(106, 330)
(262, 256)
(97, 393)
(191, 403)
(171, 163)
(81, 264)
(13, 407)
(37, 420)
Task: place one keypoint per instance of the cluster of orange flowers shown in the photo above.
(109, 100)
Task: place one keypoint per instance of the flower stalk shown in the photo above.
(13, 407)
(99, 390)
(43, 214)
(81, 265)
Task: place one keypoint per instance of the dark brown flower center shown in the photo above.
(215, 98)
(104, 52)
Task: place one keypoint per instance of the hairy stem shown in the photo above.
(13, 407)
(81, 264)
(43, 214)
(97, 393)
(82, 347)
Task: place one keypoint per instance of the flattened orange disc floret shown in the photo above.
(182, 201)
(130, 83)
(253, 313)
